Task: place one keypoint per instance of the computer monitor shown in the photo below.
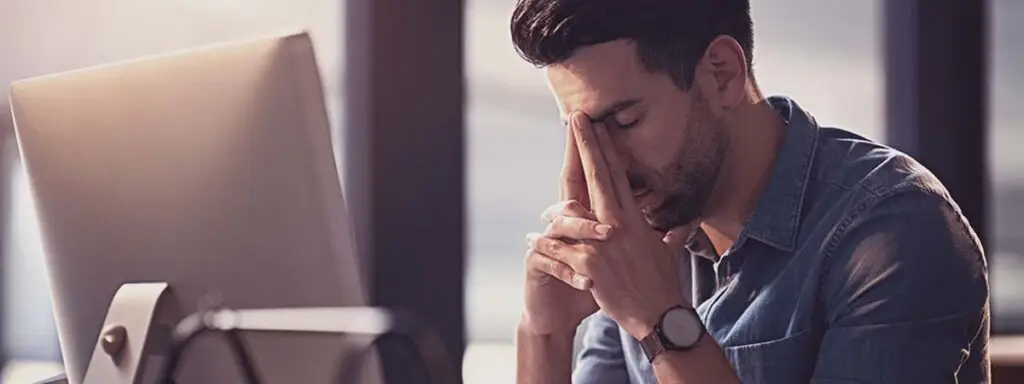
(209, 169)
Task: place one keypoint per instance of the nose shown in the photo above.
(625, 155)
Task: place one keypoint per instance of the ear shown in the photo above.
(722, 72)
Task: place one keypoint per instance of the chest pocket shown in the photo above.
(786, 360)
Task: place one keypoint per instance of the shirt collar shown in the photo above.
(776, 217)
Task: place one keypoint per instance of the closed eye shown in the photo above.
(628, 125)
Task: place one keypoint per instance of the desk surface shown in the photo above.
(1007, 350)
(482, 360)
(26, 371)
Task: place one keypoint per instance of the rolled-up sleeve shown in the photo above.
(906, 297)
(601, 360)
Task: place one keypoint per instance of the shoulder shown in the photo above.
(902, 271)
(885, 189)
(902, 244)
(852, 162)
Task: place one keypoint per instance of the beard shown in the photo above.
(689, 181)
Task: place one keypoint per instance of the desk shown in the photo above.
(27, 371)
(487, 361)
(1007, 353)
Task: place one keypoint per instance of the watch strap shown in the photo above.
(656, 342)
(652, 344)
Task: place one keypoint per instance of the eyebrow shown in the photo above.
(603, 114)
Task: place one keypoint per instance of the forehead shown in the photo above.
(598, 76)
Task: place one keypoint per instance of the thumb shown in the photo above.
(677, 237)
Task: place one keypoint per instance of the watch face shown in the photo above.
(682, 327)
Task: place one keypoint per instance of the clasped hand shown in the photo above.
(598, 241)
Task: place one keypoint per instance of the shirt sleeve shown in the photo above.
(906, 297)
(601, 360)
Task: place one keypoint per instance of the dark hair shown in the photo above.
(670, 35)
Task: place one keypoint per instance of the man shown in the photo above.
(721, 236)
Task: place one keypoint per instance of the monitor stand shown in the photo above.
(141, 324)
(132, 332)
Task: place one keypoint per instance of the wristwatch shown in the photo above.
(679, 329)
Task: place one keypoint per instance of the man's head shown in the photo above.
(662, 75)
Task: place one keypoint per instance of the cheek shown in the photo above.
(655, 147)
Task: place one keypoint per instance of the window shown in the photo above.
(1006, 252)
(826, 56)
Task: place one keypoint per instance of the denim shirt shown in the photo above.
(855, 267)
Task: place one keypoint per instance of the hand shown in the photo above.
(634, 269)
(557, 297)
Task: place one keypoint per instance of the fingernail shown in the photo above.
(603, 229)
(579, 117)
(530, 237)
(581, 282)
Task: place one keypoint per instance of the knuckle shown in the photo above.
(573, 208)
(557, 227)
(556, 222)
(558, 209)
(537, 262)
(549, 212)
(530, 259)
(561, 271)
(551, 229)
(531, 244)
(572, 204)
(553, 247)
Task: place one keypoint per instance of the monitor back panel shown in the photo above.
(209, 169)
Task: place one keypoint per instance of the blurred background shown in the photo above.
(827, 54)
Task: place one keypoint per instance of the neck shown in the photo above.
(756, 132)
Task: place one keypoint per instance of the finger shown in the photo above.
(538, 263)
(575, 228)
(574, 184)
(566, 208)
(599, 185)
(616, 171)
(558, 250)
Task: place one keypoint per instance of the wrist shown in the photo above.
(529, 338)
(528, 329)
(647, 322)
(543, 357)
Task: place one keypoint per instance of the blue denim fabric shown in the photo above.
(856, 267)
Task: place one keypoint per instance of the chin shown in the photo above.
(661, 224)
(669, 217)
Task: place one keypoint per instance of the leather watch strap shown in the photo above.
(652, 344)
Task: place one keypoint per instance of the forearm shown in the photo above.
(543, 359)
(705, 363)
